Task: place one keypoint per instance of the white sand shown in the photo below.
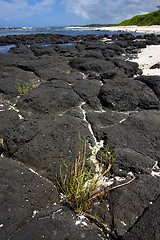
(139, 29)
(147, 58)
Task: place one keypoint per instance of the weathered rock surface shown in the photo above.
(53, 97)
(130, 68)
(58, 223)
(42, 143)
(87, 89)
(128, 96)
(129, 203)
(22, 194)
(91, 64)
(7, 118)
(148, 226)
(153, 82)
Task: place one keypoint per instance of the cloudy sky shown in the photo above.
(43, 13)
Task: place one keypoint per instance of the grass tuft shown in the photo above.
(22, 88)
(81, 185)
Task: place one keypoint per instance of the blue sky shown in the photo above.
(44, 13)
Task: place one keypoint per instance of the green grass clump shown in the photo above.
(67, 72)
(22, 88)
(81, 184)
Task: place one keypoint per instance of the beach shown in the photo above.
(139, 29)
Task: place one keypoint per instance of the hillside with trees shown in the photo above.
(149, 19)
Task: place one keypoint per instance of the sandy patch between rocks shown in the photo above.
(148, 57)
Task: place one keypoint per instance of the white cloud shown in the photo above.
(20, 9)
(109, 10)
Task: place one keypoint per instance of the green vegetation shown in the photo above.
(25, 87)
(98, 25)
(149, 19)
(22, 87)
(81, 184)
(67, 72)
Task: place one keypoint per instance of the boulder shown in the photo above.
(128, 203)
(133, 136)
(87, 89)
(42, 143)
(117, 49)
(45, 68)
(22, 194)
(153, 82)
(40, 50)
(53, 97)
(145, 227)
(130, 68)
(23, 50)
(58, 223)
(7, 119)
(91, 54)
(138, 131)
(94, 45)
(91, 64)
(128, 96)
(155, 66)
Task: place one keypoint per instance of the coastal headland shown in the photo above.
(55, 87)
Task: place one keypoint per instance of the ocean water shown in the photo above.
(74, 31)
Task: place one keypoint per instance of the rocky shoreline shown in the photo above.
(89, 87)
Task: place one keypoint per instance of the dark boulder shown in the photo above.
(155, 66)
(131, 68)
(129, 160)
(102, 120)
(116, 74)
(22, 194)
(41, 143)
(40, 50)
(7, 119)
(128, 96)
(58, 223)
(91, 64)
(133, 134)
(23, 50)
(45, 68)
(153, 82)
(91, 54)
(87, 89)
(94, 45)
(108, 53)
(53, 97)
(137, 132)
(129, 202)
(140, 44)
(147, 227)
(117, 49)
